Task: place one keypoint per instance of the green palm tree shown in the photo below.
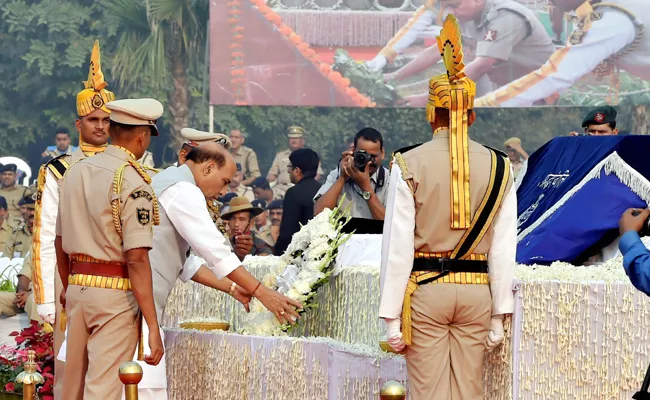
(161, 46)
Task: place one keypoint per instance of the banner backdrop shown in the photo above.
(381, 53)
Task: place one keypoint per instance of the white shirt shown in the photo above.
(353, 193)
(605, 38)
(398, 248)
(184, 204)
(44, 235)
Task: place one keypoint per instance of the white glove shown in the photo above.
(47, 312)
(377, 64)
(495, 335)
(394, 334)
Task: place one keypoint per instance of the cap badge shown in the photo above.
(98, 102)
(600, 117)
(222, 141)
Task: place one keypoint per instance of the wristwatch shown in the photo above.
(366, 195)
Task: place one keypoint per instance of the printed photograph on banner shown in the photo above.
(381, 53)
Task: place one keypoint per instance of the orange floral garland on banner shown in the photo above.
(341, 83)
(237, 72)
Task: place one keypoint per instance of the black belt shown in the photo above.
(446, 265)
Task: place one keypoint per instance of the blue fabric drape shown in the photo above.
(592, 212)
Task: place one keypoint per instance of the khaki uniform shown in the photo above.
(279, 169)
(13, 195)
(20, 243)
(7, 306)
(264, 233)
(244, 191)
(47, 282)
(248, 160)
(611, 35)
(6, 234)
(511, 33)
(103, 322)
(449, 319)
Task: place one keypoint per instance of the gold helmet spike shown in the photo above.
(95, 75)
(451, 49)
(94, 96)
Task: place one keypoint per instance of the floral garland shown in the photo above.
(306, 265)
(342, 84)
(237, 71)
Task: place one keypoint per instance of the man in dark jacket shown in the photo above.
(298, 201)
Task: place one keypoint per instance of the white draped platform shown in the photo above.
(573, 335)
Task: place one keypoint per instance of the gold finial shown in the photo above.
(95, 75)
(130, 374)
(30, 377)
(392, 390)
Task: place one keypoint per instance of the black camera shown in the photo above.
(361, 158)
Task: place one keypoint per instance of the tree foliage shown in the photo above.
(44, 51)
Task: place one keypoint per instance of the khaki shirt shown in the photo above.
(429, 168)
(244, 191)
(264, 233)
(19, 244)
(248, 160)
(13, 195)
(26, 270)
(511, 33)
(6, 234)
(279, 167)
(85, 219)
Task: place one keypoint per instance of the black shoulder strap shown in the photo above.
(499, 152)
(58, 166)
(407, 148)
(487, 210)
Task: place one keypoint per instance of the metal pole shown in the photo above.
(392, 390)
(130, 375)
(30, 377)
(211, 117)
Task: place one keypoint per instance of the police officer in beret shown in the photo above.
(600, 121)
(12, 191)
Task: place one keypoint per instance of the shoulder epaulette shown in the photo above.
(499, 152)
(58, 166)
(407, 148)
(406, 175)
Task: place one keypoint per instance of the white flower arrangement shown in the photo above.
(306, 265)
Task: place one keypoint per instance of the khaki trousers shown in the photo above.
(59, 336)
(450, 323)
(9, 309)
(102, 334)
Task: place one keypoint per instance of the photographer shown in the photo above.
(636, 257)
(360, 176)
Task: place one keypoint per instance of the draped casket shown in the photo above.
(573, 193)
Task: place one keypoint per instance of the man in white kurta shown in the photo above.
(448, 264)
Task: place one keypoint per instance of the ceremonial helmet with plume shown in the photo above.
(94, 96)
(454, 92)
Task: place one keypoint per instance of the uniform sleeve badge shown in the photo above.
(490, 36)
(144, 216)
(600, 118)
